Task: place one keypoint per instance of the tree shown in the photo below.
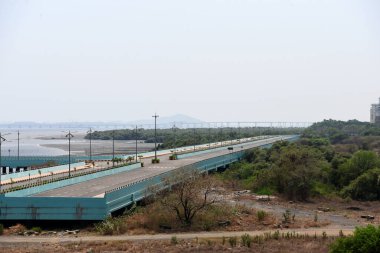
(191, 192)
(296, 171)
(365, 187)
(359, 163)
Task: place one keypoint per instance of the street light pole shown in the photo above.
(90, 132)
(155, 116)
(18, 145)
(113, 148)
(194, 136)
(136, 142)
(175, 138)
(2, 139)
(69, 136)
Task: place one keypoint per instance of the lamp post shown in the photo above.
(195, 142)
(155, 116)
(113, 148)
(90, 133)
(69, 136)
(209, 136)
(2, 139)
(18, 145)
(175, 138)
(136, 142)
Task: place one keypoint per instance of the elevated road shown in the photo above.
(97, 187)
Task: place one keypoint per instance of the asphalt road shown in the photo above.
(97, 187)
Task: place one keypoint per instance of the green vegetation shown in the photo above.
(37, 229)
(170, 138)
(1, 229)
(318, 164)
(261, 215)
(364, 240)
(111, 226)
(246, 240)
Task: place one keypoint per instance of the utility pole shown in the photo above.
(239, 131)
(2, 139)
(209, 135)
(136, 142)
(69, 136)
(90, 132)
(175, 138)
(18, 145)
(113, 148)
(194, 137)
(155, 116)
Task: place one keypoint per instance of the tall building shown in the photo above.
(375, 113)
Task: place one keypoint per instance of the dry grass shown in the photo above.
(310, 245)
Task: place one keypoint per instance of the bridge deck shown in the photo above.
(97, 187)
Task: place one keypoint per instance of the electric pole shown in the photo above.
(69, 136)
(155, 116)
(136, 142)
(2, 139)
(113, 148)
(18, 145)
(90, 133)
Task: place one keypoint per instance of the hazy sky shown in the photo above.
(216, 60)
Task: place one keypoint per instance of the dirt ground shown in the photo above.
(337, 212)
(309, 245)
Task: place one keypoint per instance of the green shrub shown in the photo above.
(265, 191)
(364, 240)
(111, 226)
(232, 241)
(365, 187)
(154, 160)
(261, 215)
(37, 229)
(174, 240)
(1, 229)
(246, 240)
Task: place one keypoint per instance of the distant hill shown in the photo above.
(170, 120)
(162, 122)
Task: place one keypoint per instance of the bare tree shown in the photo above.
(188, 193)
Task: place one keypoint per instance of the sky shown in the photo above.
(215, 60)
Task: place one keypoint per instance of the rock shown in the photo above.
(224, 223)
(368, 217)
(72, 232)
(324, 209)
(30, 232)
(164, 226)
(354, 208)
(263, 198)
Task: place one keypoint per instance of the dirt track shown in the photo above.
(40, 239)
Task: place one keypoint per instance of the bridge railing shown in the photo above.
(122, 196)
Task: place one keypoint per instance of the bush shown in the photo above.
(365, 187)
(154, 160)
(174, 240)
(364, 240)
(111, 226)
(261, 215)
(37, 229)
(246, 240)
(1, 229)
(232, 241)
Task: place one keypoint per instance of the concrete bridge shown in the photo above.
(96, 196)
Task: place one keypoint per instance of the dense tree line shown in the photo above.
(312, 166)
(177, 137)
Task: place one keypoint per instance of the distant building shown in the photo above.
(375, 113)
